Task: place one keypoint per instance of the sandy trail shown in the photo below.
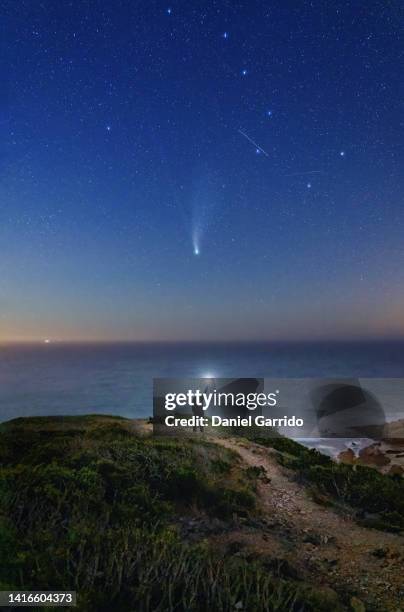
(325, 546)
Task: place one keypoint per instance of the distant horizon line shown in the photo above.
(358, 339)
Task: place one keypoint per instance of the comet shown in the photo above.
(195, 243)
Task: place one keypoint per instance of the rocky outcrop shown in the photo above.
(373, 455)
(396, 470)
(347, 456)
(382, 456)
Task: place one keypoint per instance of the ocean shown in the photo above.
(116, 378)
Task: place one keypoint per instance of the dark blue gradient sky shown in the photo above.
(127, 145)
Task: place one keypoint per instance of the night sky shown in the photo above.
(201, 170)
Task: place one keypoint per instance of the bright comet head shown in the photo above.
(196, 251)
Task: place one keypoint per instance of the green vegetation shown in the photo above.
(377, 498)
(88, 504)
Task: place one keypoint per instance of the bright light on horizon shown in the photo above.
(208, 376)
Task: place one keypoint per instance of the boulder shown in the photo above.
(347, 456)
(373, 456)
(396, 470)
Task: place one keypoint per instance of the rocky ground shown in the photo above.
(386, 455)
(309, 541)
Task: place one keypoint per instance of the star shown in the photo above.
(169, 11)
(225, 35)
(257, 151)
(342, 153)
(244, 72)
(269, 113)
(308, 185)
(108, 128)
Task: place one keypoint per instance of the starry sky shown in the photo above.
(201, 170)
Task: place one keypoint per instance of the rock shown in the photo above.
(373, 455)
(396, 470)
(347, 456)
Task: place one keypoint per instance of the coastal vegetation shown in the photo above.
(90, 504)
(377, 500)
(98, 505)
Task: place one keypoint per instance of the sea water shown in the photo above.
(116, 378)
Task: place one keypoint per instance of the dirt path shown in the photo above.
(323, 545)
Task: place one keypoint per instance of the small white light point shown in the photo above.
(342, 153)
(196, 251)
(46, 341)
